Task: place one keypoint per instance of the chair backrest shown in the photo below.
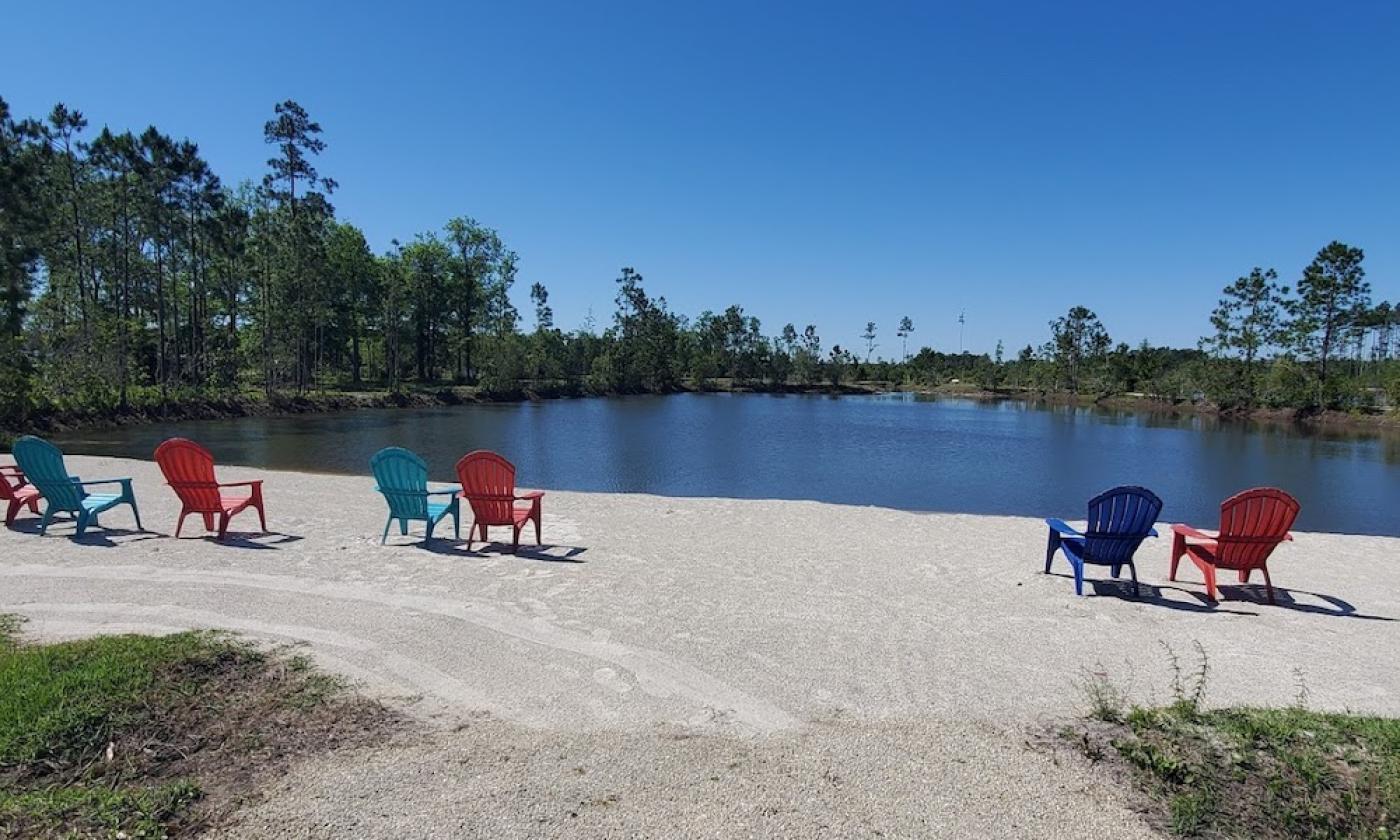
(403, 479)
(1252, 524)
(1119, 520)
(42, 463)
(189, 469)
(10, 481)
(488, 480)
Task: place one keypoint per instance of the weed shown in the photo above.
(1106, 700)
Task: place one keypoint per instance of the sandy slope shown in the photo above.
(699, 667)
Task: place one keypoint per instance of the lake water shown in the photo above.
(895, 451)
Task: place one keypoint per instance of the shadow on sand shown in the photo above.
(95, 535)
(546, 553)
(251, 540)
(1232, 595)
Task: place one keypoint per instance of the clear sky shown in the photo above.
(816, 163)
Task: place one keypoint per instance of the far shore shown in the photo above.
(257, 404)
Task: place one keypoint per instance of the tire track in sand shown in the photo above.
(656, 674)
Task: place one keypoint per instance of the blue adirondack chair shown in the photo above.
(403, 479)
(42, 463)
(1119, 520)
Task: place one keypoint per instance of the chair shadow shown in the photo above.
(99, 536)
(1286, 599)
(547, 553)
(1242, 594)
(1151, 594)
(251, 540)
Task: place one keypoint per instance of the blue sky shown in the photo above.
(817, 163)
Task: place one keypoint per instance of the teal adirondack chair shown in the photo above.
(403, 479)
(42, 463)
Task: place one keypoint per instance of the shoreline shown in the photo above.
(799, 652)
(324, 402)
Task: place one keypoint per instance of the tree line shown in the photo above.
(133, 276)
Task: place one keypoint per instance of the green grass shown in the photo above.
(63, 703)
(1262, 773)
(98, 811)
(127, 735)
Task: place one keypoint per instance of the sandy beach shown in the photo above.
(707, 667)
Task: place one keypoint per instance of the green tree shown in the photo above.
(296, 275)
(1078, 341)
(906, 327)
(1248, 320)
(544, 316)
(808, 358)
(869, 338)
(21, 224)
(479, 252)
(1332, 295)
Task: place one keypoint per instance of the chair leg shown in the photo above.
(262, 516)
(390, 521)
(471, 534)
(1132, 570)
(1078, 578)
(537, 518)
(515, 541)
(83, 518)
(48, 517)
(12, 512)
(208, 521)
(1178, 549)
(135, 514)
(1268, 584)
(1209, 572)
(456, 522)
(223, 525)
(1115, 571)
(428, 537)
(403, 527)
(180, 523)
(1244, 575)
(1050, 549)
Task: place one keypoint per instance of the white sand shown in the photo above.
(704, 667)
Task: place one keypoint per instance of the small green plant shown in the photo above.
(1190, 813)
(1243, 772)
(1301, 694)
(1106, 701)
(1188, 690)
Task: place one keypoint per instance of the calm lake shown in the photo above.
(896, 451)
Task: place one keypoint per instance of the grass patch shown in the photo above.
(155, 736)
(1246, 772)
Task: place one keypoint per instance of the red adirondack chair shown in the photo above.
(189, 469)
(17, 491)
(488, 485)
(1252, 524)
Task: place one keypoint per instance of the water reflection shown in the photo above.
(903, 451)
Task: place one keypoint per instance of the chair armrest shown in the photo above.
(530, 495)
(1064, 529)
(239, 483)
(1188, 531)
(125, 481)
